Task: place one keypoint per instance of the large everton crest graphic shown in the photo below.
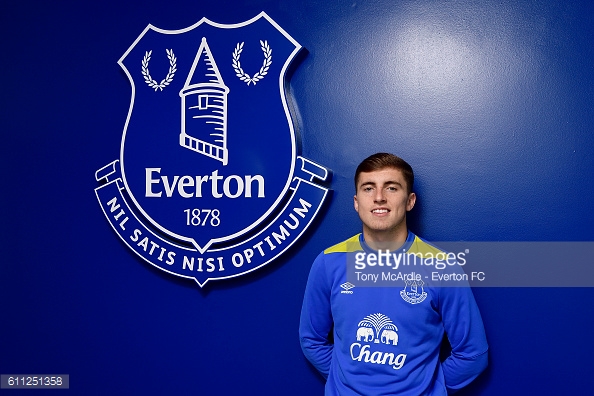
(209, 183)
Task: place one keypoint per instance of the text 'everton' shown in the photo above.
(232, 186)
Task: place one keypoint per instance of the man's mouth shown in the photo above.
(379, 211)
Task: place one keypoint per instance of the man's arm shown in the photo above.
(316, 318)
(464, 328)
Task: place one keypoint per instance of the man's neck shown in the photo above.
(385, 240)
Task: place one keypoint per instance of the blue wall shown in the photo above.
(491, 102)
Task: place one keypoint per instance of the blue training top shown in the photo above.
(386, 342)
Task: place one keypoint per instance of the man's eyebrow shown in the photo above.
(393, 182)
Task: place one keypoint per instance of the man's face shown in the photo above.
(382, 201)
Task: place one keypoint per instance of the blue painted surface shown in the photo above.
(491, 103)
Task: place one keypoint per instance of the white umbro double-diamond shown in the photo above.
(347, 288)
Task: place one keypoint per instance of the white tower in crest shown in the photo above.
(204, 108)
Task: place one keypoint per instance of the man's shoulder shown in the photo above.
(347, 246)
(420, 245)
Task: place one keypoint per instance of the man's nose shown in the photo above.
(379, 196)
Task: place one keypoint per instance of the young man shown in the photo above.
(386, 340)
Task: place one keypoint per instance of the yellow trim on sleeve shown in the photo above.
(421, 247)
(350, 245)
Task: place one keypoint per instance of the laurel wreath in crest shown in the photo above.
(168, 78)
(243, 76)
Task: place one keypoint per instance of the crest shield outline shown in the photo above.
(169, 167)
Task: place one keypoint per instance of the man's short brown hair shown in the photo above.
(380, 161)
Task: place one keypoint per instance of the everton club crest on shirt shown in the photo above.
(209, 183)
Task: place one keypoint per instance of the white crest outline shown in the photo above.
(203, 248)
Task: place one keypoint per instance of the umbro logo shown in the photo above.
(347, 288)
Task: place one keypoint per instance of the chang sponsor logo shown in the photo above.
(374, 333)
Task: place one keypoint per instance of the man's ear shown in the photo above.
(355, 203)
(410, 203)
